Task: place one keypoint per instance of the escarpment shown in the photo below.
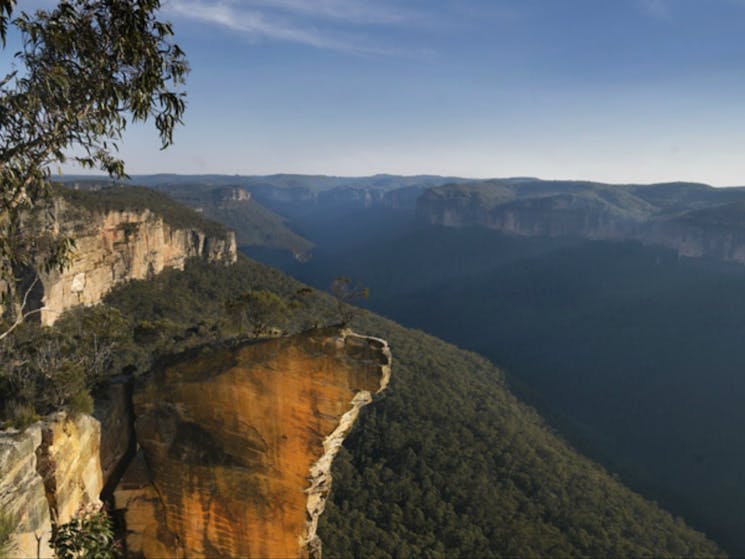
(237, 445)
(235, 450)
(116, 243)
(693, 220)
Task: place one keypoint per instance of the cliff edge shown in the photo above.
(122, 234)
(117, 244)
(692, 219)
(237, 445)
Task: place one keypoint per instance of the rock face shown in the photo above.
(226, 197)
(537, 208)
(116, 246)
(693, 220)
(22, 493)
(114, 411)
(237, 445)
(48, 471)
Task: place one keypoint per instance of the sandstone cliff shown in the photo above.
(236, 450)
(46, 472)
(693, 220)
(237, 445)
(235, 207)
(113, 246)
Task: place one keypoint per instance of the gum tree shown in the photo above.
(85, 70)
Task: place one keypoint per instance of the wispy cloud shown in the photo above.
(323, 24)
(355, 11)
(659, 9)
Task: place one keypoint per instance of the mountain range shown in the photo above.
(614, 309)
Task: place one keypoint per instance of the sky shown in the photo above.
(610, 90)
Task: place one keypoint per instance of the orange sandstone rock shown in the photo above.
(238, 443)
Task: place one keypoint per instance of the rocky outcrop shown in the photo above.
(237, 445)
(22, 493)
(113, 247)
(227, 197)
(48, 472)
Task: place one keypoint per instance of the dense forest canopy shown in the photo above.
(446, 463)
(631, 351)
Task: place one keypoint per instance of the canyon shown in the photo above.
(225, 451)
(225, 448)
(114, 246)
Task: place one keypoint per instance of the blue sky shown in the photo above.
(614, 90)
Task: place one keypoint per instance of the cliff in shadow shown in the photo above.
(692, 219)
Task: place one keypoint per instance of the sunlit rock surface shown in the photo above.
(22, 494)
(117, 246)
(48, 471)
(237, 444)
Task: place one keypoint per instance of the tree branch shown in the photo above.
(21, 315)
(20, 321)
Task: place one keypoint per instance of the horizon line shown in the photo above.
(92, 176)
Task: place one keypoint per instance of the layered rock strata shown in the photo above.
(694, 222)
(22, 493)
(117, 246)
(48, 472)
(237, 445)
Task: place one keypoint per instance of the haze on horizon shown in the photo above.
(622, 91)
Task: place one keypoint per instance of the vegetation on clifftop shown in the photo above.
(445, 463)
(138, 199)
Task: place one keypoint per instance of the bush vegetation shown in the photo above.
(138, 198)
(445, 463)
(88, 535)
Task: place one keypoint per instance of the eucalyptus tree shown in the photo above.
(84, 71)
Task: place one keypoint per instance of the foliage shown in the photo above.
(346, 293)
(17, 413)
(81, 403)
(47, 369)
(264, 311)
(89, 535)
(591, 332)
(446, 462)
(449, 463)
(84, 69)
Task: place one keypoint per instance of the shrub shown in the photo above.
(21, 415)
(89, 535)
(82, 402)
